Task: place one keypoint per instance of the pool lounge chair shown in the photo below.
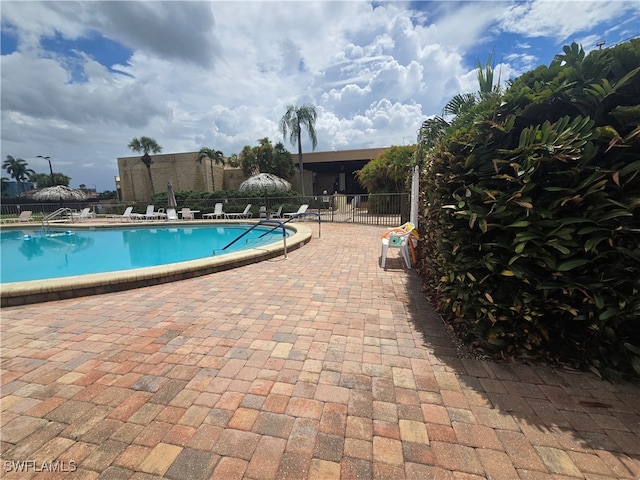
(148, 215)
(302, 209)
(126, 216)
(25, 216)
(217, 212)
(187, 214)
(244, 214)
(172, 214)
(160, 214)
(82, 216)
(277, 213)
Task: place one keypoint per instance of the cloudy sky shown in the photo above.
(81, 79)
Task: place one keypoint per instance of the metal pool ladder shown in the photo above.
(50, 217)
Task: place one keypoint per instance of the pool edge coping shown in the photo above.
(39, 291)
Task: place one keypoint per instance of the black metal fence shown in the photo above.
(386, 209)
(41, 209)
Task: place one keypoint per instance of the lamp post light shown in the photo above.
(48, 159)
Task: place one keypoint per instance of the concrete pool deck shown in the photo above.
(320, 366)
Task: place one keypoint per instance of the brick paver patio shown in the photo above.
(321, 366)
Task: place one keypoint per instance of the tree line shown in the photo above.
(19, 170)
(263, 158)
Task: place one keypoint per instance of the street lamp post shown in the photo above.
(48, 159)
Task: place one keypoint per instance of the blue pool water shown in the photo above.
(33, 255)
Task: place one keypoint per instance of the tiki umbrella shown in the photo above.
(61, 193)
(264, 182)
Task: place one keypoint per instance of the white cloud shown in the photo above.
(220, 74)
(561, 19)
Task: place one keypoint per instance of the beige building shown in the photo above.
(323, 171)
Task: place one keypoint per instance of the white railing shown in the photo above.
(66, 212)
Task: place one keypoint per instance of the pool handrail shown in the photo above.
(262, 222)
(298, 215)
(62, 210)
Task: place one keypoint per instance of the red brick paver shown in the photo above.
(322, 365)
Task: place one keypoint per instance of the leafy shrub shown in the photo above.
(531, 233)
(235, 199)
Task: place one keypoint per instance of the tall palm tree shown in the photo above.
(463, 102)
(292, 123)
(18, 169)
(214, 156)
(146, 145)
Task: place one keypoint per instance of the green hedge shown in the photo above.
(234, 200)
(531, 234)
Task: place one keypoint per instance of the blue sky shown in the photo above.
(81, 79)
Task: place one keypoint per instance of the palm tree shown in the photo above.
(292, 122)
(460, 105)
(146, 145)
(463, 102)
(18, 169)
(214, 156)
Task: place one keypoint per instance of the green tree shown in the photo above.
(388, 172)
(460, 106)
(146, 145)
(18, 169)
(292, 123)
(214, 156)
(530, 229)
(43, 180)
(267, 158)
(233, 160)
(248, 160)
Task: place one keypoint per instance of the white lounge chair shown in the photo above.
(82, 216)
(25, 216)
(187, 214)
(244, 214)
(217, 212)
(160, 214)
(277, 213)
(302, 209)
(148, 215)
(125, 216)
(172, 214)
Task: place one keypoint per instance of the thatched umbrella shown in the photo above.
(263, 182)
(61, 193)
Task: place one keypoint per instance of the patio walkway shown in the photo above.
(321, 366)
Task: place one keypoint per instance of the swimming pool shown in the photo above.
(37, 255)
(34, 291)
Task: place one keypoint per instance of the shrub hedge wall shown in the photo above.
(532, 215)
